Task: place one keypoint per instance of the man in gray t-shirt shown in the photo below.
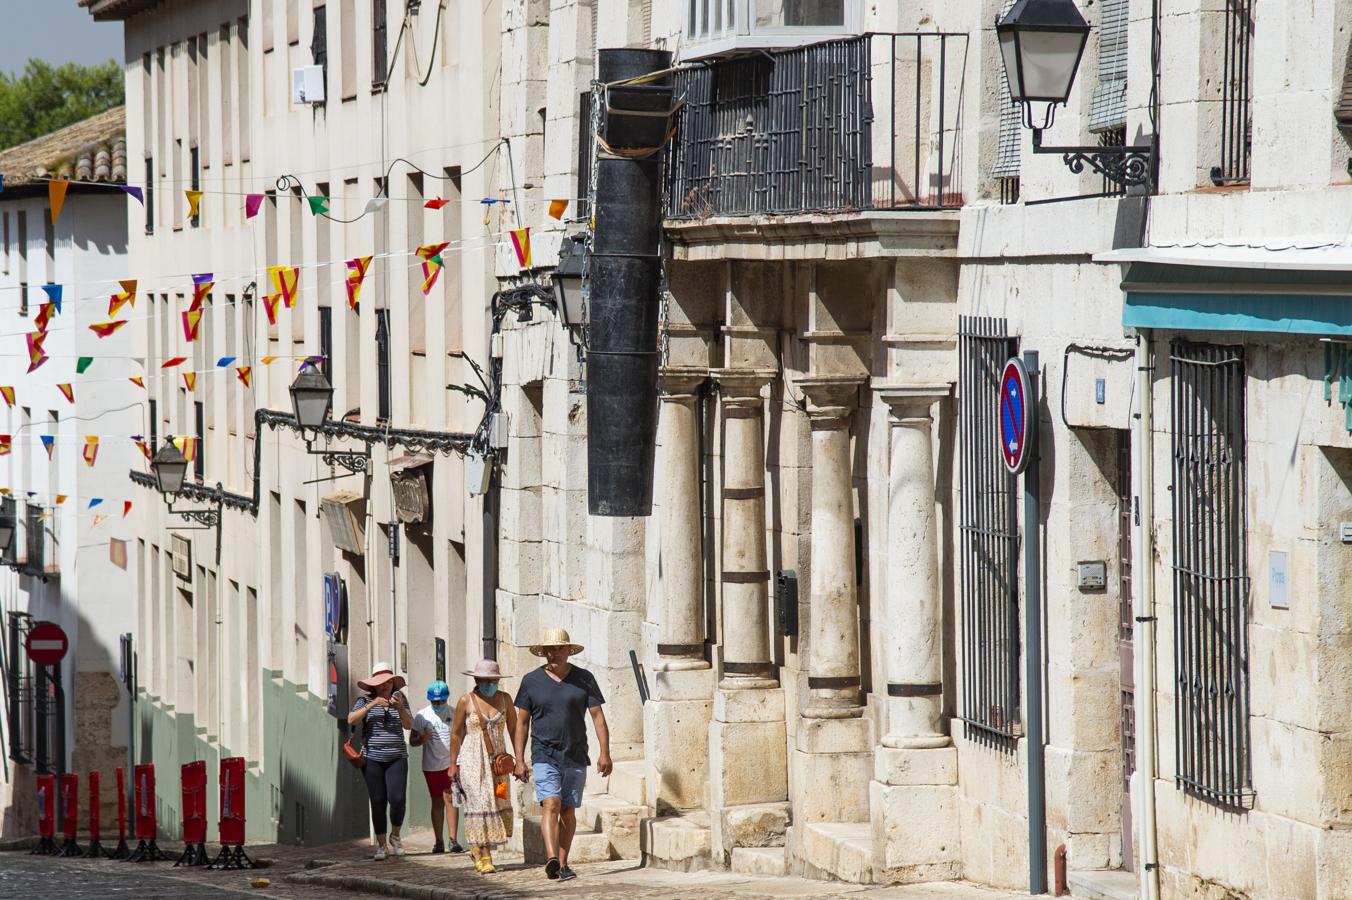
(556, 699)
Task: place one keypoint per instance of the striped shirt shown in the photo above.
(382, 731)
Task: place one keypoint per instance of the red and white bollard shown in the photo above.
(95, 818)
(46, 790)
(232, 855)
(193, 780)
(121, 851)
(70, 815)
(143, 811)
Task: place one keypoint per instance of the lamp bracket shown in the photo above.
(352, 461)
(208, 518)
(1130, 165)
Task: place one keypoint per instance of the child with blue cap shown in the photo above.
(432, 731)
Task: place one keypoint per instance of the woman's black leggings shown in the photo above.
(386, 782)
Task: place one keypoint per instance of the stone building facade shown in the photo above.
(825, 420)
(235, 658)
(63, 514)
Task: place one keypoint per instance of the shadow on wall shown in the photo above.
(302, 791)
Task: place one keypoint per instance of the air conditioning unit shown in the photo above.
(307, 85)
(180, 556)
(345, 517)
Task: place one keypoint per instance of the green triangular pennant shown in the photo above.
(83, 363)
(318, 205)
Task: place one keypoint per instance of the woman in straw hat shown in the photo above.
(383, 712)
(483, 719)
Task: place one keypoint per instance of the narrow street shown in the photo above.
(346, 872)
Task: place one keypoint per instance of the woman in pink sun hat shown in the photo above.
(384, 716)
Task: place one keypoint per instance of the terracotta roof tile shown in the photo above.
(92, 150)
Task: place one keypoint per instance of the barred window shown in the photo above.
(1108, 110)
(1236, 91)
(1011, 124)
(1211, 585)
(989, 586)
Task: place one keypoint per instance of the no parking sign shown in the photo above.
(1017, 417)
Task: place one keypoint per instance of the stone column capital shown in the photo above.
(911, 401)
(831, 399)
(742, 383)
(679, 383)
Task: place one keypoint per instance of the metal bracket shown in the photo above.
(209, 518)
(354, 462)
(1129, 165)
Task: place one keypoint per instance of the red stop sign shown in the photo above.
(46, 644)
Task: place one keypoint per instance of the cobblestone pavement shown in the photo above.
(347, 872)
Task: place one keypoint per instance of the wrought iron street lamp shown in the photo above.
(170, 468)
(7, 530)
(1041, 44)
(312, 401)
(568, 280)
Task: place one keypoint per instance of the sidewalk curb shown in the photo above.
(387, 888)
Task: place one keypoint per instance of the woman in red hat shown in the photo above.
(384, 715)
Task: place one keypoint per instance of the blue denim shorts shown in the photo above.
(565, 783)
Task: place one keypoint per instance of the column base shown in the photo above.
(916, 741)
(832, 764)
(748, 760)
(676, 734)
(913, 802)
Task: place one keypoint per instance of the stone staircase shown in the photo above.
(841, 851)
(608, 822)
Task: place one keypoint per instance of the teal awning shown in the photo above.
(1224, 298)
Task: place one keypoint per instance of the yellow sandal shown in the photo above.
(484, 864)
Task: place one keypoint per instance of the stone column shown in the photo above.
(676, 716)
(914, 649)
(748, 754)
(680, 632)
(916, 766)
(746, 575)
(833, 643)
(833, 741)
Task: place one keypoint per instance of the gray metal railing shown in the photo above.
(866, 123)
(1211, 584)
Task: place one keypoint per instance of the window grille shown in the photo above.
(19, 686)
(1211, 585)
(1011, 124)
(1108, 109)
(1342, 112)
(150, 195)
(326, 342)
(989, 531)
(195, 167)
(1236, 92)
(199, 460)
(586, 143)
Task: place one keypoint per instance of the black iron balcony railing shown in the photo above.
(867, 123)
(41, 558)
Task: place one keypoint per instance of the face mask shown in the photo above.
(488, 689)
(439, 706)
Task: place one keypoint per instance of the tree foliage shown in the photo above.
(46, 97)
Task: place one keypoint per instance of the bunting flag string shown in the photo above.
(104, 329)
(432, 264)
(36, 355)
(82, 364)
(285, 280)
(190, 380)
(134, 191)
(438, 203)
(251, 204)
(557, 208)
(194, 200)
(67, 391)
(521, 243)
(243, 372)
(192, 320)
(318, 205)
(53, 292)
(91, 449)
(44, 317)
(138, 381)
(126, 295)
(7, 391)
(56, 196)
(48, 444)
(201, 289)
(356, 274)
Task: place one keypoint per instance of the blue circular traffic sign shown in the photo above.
(1016, 421)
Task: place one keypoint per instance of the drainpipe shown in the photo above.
(490, 562)
(1145, 619)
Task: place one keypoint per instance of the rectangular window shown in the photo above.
(49, 246)
(5, 219)
(153, 436)
(989, 531)
(1211, 583)
(150, 195)
(417, 301)
(195, 179)
(22, 217)
(379, 56)
(326, 341)
(1236, 91)
(319, 44)
(383, 364)
(227, 111)
(205, 110)
(292, 23)
(199, 463)
(245, 107)
(1108, 110)
(586, 144)
(269, 26)
(1010, 135)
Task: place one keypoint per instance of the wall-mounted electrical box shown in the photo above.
(307, 85)
(1091, 575)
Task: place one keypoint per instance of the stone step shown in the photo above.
(837, 850)
(1104, 884)
(628, 782)
(759, 861)
(680, 843)
(617, 819)
(588, 846)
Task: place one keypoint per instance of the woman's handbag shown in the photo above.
(354, 756)
(500, 763)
